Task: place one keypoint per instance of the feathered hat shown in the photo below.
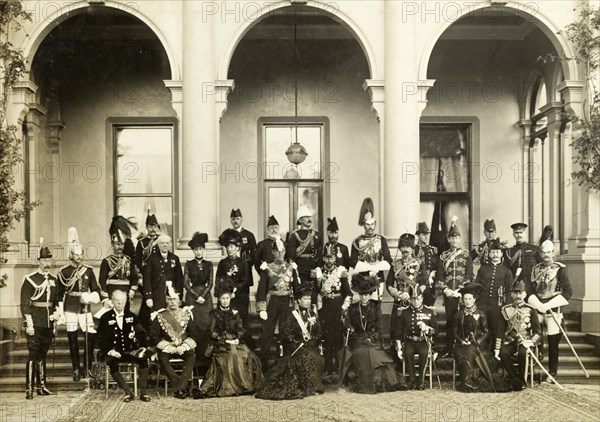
(453, 227)
(198, 240)
(304, 289)
(475, 289)
(120, 228)
(170, 290)
(73, 242)
(223, 285)
(422, 228)
(367, 212)
(44, 251)
(151, 218)
(364, 283)
(303, 211)
(332, 225)
(230, 237)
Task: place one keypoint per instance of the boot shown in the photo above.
(144, 385)
(123, 385)
(29, 379)
(74, 353)
(89, 357)
(41, 376)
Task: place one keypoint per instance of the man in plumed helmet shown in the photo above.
(428, 255)
(39, 307)
(274, 297)
(370, 251)
(264, 249)
(496, 281)
(305, 248)
(481, 253)
(417, 325)
(340, 251)
(523, 332)
(247, 239)
(455, 269)
(173, 333)
(551, 290)
(78, 288)
(336, 296)
(235, 270)
(162, 267)
(406, 276)
(146, 246)
(118, 271)
(522, 256)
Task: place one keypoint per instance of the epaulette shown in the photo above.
(33, 273)
(87, 266)
(560, 264)
(64, 267)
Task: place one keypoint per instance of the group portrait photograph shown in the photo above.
(300, 210)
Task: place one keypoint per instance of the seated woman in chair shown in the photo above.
(471, 333)
(368, 369)
(300, 373)
(235, 369)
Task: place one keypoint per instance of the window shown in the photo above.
(287, 187)
(446, 180)
(144, 173)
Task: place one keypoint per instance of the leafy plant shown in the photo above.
(13, 204)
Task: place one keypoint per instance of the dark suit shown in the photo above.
(341, 253)
(157, 272)
(263, 253)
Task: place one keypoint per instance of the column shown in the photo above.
(199, 153)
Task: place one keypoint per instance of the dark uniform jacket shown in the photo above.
(73, 282)
(236, 270)
(455, 268)
(263, 253)
(157, 272)
(304, 248)
(550, 281)
(122, 340)
(525, 256)
(495, 279)
(333, 286)
(248, 246)
(39, 298)
(405, 273)
(407, 323)
(117, 273)
(278, 280)
(342, 256)
(521, 319)
(429, 257)
(146, 246)
(481, 252)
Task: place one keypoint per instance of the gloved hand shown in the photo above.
(200, 300)
(131, 294)
(449, 293)
(149, 303)
(528, 344)
(263, 315)
(497, 354)
(114, 354)
(399, 349)
(404, 296)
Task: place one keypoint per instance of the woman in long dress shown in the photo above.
(300, 373)
(198, 282)
(368, 369)
(234, 369)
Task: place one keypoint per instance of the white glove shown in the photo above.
(318, 273)
(149, 303)
(263, 315)
(345, 306)
(403, 296)
(528, 344)
(399, 349)
(200, 300)
(263, 266)
(131, 294)
(449, 293)
(29, 330)
(497, 354)
(114, 354)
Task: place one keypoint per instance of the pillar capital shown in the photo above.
(573, 93)
(222, 89)
(376, 90)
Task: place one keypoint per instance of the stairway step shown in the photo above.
(16, 384)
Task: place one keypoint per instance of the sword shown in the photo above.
(87, 362)
(562, 330)
(534, 357)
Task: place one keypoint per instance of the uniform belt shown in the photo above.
(74, 294)
(304, 255)
(281, 292)
(332, 296)
(415, 338)
(41, 304)
(117, 282)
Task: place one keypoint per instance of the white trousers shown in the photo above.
(78, 321)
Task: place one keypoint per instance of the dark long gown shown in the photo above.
(300, 373)
(368, 369)
(234, 369)
(198, 281)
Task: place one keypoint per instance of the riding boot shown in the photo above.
(42, 390)
(74, 353)
(29, 379)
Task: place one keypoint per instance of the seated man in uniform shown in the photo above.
(120, 336)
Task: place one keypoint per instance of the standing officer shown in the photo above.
(305, 249)
(77, 289)
(145, 247)
(497, 281)
(39, 307)
(428, 255)
(370, 251)
(162, 267)
(264, 249)
(247, 239)
(340, 251)
(455, 268)
(522, 257)
(481, 252)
